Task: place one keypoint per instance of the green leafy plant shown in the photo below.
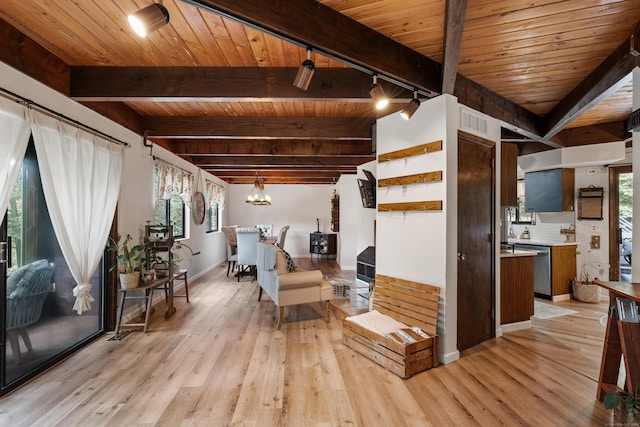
(622, 399)
(128, 256)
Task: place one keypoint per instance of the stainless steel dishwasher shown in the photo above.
(541, 268)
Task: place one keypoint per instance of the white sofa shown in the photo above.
(289, 288)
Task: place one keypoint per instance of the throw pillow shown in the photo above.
(20, 287)
(14, 278)
(291, 266)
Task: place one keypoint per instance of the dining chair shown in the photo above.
(266, 230)
(248, 239)
(232, 247)
(281, 236)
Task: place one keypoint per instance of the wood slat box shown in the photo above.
(412, 303)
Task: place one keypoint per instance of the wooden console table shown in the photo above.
(621, 339)
(165, 283)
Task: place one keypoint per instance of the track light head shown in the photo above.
(380, 100)
(409, 110)
(305, 73)
(149, 19)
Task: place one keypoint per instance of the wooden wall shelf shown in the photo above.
(429, 147)
(429, 205)
(411, 179)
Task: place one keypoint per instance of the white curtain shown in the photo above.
(173, 181)
(215, 194)
(14, 136)
(80, 174)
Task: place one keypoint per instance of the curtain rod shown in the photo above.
(51, 113)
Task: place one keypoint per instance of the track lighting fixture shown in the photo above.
(409, 110)
(149, 19)
(305, 72)
(380, 100)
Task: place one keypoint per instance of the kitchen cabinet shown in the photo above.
(549, 190)
(516, 288)
(508, 174)
(563, 269)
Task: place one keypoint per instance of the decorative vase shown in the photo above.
(129, 280)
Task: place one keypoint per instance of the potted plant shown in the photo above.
(628, 403)
(128, 257)
(583, 288)
(152, 262)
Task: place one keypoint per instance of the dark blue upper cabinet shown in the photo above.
(549, 190)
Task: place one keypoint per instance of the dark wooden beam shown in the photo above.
(608, 77)
(119, 113)
(222, 84)
(293, 180)
(271, 147)
(27, 56)
(480, 98)
(596, 134)
(277, 162)
(310, 23)
(454, 13)
(333, 128)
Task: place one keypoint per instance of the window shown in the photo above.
(211, 219)
(517, 215)
(171, 212)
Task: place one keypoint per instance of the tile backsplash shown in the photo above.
(547, 227)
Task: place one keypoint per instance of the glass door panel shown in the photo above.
(625, 222)
(40, 326)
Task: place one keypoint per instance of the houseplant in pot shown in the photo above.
(584, 289)
(128, 258)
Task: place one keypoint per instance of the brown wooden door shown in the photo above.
(475, 241)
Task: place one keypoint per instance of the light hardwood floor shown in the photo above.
(218, 362)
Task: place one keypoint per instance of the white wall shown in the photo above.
(422, 246)
(350, 206)
(295, 205)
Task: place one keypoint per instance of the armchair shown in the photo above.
(248, 238)
(25, 295)
(289, 288)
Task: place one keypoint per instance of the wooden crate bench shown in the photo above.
(412, 304)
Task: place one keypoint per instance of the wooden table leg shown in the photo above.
(149, 293)
(120, 307)
(629, 339)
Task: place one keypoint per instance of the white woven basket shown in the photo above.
(586, 293)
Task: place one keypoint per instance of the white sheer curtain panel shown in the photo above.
(14, 136)
(215, 194)
(173, 181)
(81, 181)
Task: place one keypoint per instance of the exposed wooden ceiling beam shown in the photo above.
(271, 147)
(607, 78)
(292, 180)
(309, 23)
(277, 162)
(333, 128)
(222, 84)
(454, 13)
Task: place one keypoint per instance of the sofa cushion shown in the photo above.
(300, 279)
(290, 265)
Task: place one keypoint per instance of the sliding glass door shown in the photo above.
(39, 326)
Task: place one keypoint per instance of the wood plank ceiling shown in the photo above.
(215, 87)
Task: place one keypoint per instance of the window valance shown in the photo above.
(215, 194)
(174, 181)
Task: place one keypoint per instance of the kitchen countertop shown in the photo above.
(516, 253)
(540, 243)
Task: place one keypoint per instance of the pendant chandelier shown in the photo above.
(257, 196)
